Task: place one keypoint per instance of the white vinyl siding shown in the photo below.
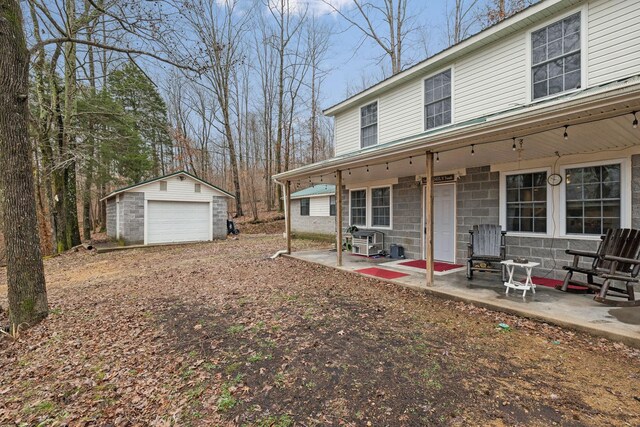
(400, 112)
(347, 131)
(319, 206)
(179, 190)
(484, 85)
(614, 26)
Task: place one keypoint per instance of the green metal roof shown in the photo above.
(181, 172)
(316, 190)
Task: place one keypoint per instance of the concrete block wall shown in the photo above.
(111, 217)
(219, 217)
(132, 217)
(311, 224)
(407, 216)
(477, 202)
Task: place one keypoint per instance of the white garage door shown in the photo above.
(177, 221)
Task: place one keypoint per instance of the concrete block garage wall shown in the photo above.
(111, 218)
(219, 217)
(132, 217)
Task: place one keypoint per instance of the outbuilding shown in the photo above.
(313, 210)
(178, 207)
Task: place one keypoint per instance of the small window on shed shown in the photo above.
(163, 185)
(197, 188)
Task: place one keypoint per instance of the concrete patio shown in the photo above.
(573, 311)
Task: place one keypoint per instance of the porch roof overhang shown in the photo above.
(589, 113)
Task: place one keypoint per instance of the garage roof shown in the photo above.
(131, 187)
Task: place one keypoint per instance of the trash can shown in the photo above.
(396, 251)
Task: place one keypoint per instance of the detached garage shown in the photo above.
(178, 207)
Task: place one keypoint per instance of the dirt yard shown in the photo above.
(219, 334)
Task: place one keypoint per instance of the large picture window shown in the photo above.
(358, 206)
(527, 202)
(437, 100)
(592, 199)
(381, 207)
(555, 57)
(304, 206)
(369, 125)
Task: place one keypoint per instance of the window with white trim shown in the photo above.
(163, 185)
(381, 207)
(593, 202)
(437, 100)
(358, 207)
(527, 202)
(197, 188)
(369, 125)
(332, 205)
(304, 206)
(555, 57)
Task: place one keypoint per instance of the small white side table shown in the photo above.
(514, 284)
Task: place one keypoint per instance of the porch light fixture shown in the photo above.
(566, 135)
(635, 120)
(513, 147)
(473, 151)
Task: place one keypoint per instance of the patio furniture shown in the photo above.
(617, 259)
(367, 242)
(511, 265)
(486, 246)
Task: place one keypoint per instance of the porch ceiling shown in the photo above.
(604, 127)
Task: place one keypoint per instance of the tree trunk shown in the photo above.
(25, 273)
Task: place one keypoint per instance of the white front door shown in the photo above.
(444, 222)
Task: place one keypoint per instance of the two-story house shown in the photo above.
(530, 124)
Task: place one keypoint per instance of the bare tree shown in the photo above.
(460, 20)
(398, 26)
(498, 10)
(25, 273)
(317, 48)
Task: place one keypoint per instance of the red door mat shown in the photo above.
(381, 272)
(552, 283)
(437, 266)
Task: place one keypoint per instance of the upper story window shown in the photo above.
(163, 185)
(437, 100)
(304, 206)
(369, 125)
(197, 188)
(555, 57)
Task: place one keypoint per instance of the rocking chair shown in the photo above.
(486, 246)
(617, 259)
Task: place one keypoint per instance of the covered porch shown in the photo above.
(549, 305)
(471, 160)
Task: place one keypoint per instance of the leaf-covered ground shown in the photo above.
(219, 334)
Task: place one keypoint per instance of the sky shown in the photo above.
(352, 63)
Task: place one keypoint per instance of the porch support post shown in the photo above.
(287, 214)
(339, 218)
(428, 210)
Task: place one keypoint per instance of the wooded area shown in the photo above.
(120, 91)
